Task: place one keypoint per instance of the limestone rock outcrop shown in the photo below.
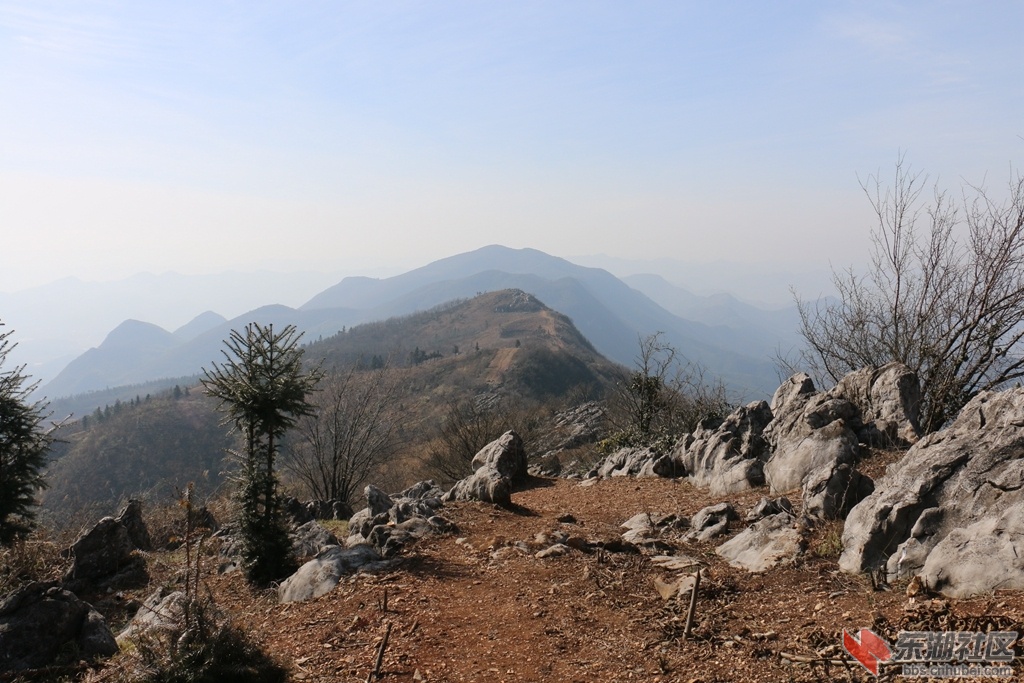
(499, 466)
(40, 621)
(953, 508)
(729, 456)
(105, 555)
(767, 543)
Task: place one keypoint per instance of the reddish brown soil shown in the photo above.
(459, 614)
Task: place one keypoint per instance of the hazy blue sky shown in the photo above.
(205, 136)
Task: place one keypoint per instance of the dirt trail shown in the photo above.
(472, 607)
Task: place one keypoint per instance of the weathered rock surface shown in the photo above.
(767, 543)
(814, 437)
(980, 558)
(162, 610)
(832, 489)
(41, 621)
(809, 430)
(888, 401)
(505, 455)
(727, 457)
(105, 555)
(711, 521)
(499, 466)
(637, 462)
(321, 574)
(485, 485)
(952, 507)
(310, 538)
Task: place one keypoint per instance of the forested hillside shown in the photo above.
(505, 351)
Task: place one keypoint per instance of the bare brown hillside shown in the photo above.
(503, 344)
(471, 607)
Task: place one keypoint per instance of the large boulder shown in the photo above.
(814, 447)
(727, 457)
(768, 542)
(952, 508)
(321, 574)
(161, 611)
(105, 555)
(506, 455)
(486, 485)
(636, 462)
(889, 403)
(499, 466)
(42, 622)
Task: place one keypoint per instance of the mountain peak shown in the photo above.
(132, 333)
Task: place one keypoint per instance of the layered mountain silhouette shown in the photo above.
(505, 345)
(609, 312)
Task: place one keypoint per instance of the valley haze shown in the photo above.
(732, 339)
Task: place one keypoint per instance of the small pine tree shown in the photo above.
(24, 443)
(263, 389)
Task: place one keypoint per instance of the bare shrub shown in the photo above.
(951, 308)
(351, 434)
(663, 397)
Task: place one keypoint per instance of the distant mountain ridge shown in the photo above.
(502, 345)
(609, 312)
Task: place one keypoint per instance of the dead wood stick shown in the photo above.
(693, 605)
(380, 655)
(805, 659)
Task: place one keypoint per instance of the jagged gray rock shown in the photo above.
(889, 403)
(814, 439)
(378, 501)
(105, 555)
(41, 620)
(486, 485)
(310, 538)
(768, 506)
(636, 462)
(499, 465)
(162, 610)
(711, 521)
(505, 455)
(833, 488)
(957, 494)
(727, 457)
(321, 574)
(767, 543)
